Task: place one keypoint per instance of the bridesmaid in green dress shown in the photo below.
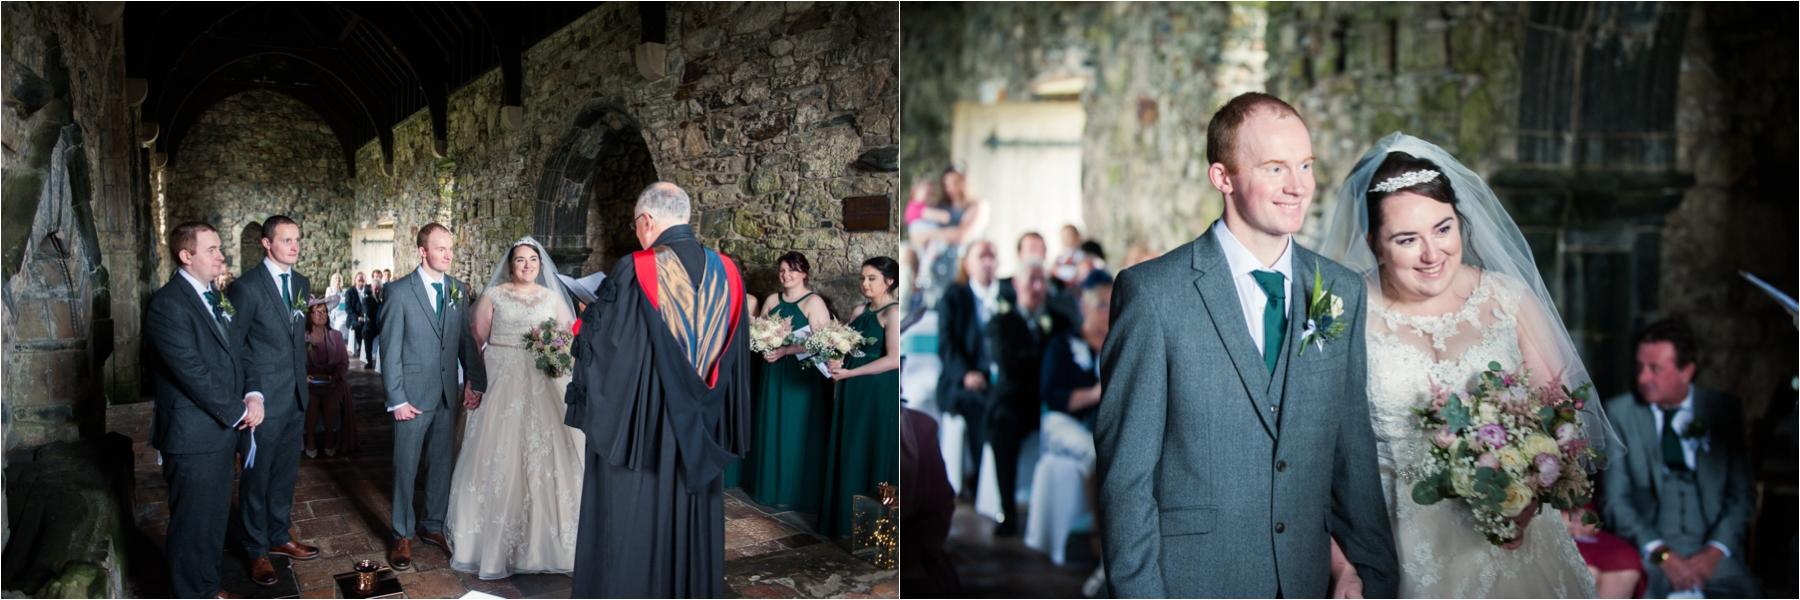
(787, 456)
(865, 431)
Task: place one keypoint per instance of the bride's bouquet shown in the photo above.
(1504, 448)
(551, 345)
(770, 333)
(832, 342)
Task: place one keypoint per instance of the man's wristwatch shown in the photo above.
(1661, 554)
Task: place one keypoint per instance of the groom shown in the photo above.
(424, 337)
(1228, 460)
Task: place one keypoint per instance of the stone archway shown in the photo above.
(250, 250)
(583, 213)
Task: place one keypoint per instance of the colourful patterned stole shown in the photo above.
(702, 318)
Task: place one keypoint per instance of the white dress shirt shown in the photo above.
(1251, 295)
(275, 273)
(987, 300)
(1690, 447)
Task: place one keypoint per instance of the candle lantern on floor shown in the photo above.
(874, 527)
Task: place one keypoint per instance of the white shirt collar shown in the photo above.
(199, 286)
(1687, 404)
(987, 293)
(1243, 262)
(429, 276)
(275, 267)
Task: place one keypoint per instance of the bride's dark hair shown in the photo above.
(1437, 188)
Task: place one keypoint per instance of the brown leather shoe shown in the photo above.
(262, 572)
(400, 556)
(296, 550)
(436, 539)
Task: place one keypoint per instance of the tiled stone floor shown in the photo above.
(341, 505)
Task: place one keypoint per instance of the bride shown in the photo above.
(1451, 287)
(517, 485)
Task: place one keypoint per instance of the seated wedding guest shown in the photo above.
(1071, 386)
(929, 501)
(223, 282)
(1016, 338)
(1063, 269)
(1618, 571)
(963, 314)
(1683, 496)
(786, 464)
(865, 429)
(1031, 248)
(328, 379)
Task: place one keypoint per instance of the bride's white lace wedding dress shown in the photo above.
(1441, 554)
(515, 495)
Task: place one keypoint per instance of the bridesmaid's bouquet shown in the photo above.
(834, 341)
(770, 333)
(551, 345)
(1504, 448)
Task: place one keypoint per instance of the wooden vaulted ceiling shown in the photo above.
(363, 67)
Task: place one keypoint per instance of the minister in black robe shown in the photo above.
(661, 389)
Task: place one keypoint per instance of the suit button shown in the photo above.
(1280, 527)
(1280, 466)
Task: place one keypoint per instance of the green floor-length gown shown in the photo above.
(865, 432)
(786, 466)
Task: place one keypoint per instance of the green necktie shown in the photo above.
(440, 301)
(286, 295)
(1274, 314)
(212, 301)
(1671, 444)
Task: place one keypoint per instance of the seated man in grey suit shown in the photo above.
(1683, 493)
(200, 406)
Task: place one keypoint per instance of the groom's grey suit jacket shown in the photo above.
(1216, 478)
(420, 352)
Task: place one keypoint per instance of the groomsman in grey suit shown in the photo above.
(1227, 459)
(200, 405)
(270, 328)
(1683, 492)
(424, 337)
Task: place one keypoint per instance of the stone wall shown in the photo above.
(1444, 72)
(762, 111)
(258, 154)
(76, 224)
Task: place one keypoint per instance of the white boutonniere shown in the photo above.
(453, 294)
(1043, 323)
(1696, 429)
(299, 309)
(226, 307)
(1323, 312)
(1003, 307)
